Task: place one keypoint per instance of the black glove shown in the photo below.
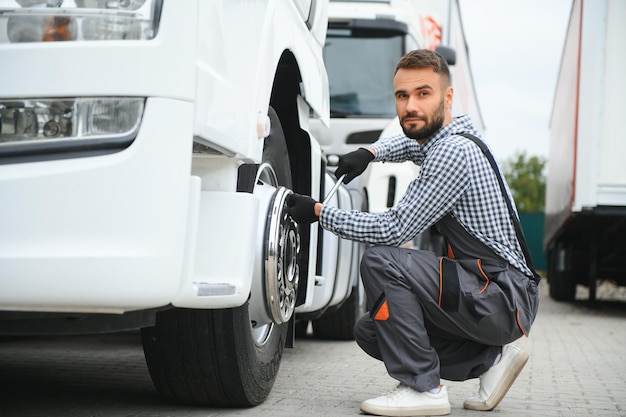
(353, 164)
(301, 208)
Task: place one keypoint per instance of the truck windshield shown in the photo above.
(360, 65)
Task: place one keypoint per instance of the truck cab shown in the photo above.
(146, 151)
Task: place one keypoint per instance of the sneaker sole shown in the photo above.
(442, 410)
(498, 394)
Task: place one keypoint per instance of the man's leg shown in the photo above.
(402, 338)
(418, 295)
(459, 360)
(394, 331)
(409, 281)
(365, 336)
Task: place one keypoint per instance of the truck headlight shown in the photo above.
(59, 20)
(71, 120)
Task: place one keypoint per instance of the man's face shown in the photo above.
(422, 106)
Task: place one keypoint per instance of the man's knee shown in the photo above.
(364, 328)
(365, 336)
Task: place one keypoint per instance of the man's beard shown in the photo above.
(430, 126)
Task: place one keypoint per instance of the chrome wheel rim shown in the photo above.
(277, 273)
(281, 273)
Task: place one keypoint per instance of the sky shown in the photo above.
(515, 50)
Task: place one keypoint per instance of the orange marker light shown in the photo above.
(57, 28)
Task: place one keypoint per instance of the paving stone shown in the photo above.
(576, 368)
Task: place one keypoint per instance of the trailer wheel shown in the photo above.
(561, 279)
(228, 357)
(339, 325)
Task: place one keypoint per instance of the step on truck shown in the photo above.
(585, 225)
(146, 151)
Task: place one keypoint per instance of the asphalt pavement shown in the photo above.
(576, 368)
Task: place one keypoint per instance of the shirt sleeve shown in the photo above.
(397, 149)
(442, 183)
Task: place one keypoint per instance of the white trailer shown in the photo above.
(146, 151)
(585, 227)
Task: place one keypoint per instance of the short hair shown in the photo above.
(425, 58)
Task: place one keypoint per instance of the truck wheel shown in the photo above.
(560, 275)
(213, 357)
(230, 357)
(339, 325)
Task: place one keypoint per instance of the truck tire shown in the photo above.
(561, 278)
(339, 324)
(220, 357)
(210, 357)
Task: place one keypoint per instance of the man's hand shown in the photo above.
(301, 208)
(353, 164)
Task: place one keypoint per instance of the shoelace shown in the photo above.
(398, 391)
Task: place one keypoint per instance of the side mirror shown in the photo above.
(447, 53)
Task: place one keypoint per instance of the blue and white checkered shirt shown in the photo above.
(455, 176)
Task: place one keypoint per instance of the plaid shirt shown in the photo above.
(454, 177)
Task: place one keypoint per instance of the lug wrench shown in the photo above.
(333, 190)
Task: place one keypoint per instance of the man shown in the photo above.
(433, 317)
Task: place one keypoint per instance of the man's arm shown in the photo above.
(397, 149)
(443, 181)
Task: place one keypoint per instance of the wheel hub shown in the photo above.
(276, 272)
(282, 248)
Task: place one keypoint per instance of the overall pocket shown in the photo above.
(491, 301)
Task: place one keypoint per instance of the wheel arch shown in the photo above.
(285, 91)
(284, 100)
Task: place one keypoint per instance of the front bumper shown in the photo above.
(100, 234)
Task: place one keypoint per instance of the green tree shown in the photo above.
(526, 178)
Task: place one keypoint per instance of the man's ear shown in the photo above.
(448, 97)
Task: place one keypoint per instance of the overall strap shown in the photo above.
(516, 223)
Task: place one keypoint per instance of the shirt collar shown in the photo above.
(458, 124)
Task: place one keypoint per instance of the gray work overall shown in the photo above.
(432, 317)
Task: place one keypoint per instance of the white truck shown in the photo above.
(146, 151)
(585, 225)
(365, 40)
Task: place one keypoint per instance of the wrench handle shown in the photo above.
(333, 190)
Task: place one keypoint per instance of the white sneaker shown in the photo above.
(495, 383)
(405, 401)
